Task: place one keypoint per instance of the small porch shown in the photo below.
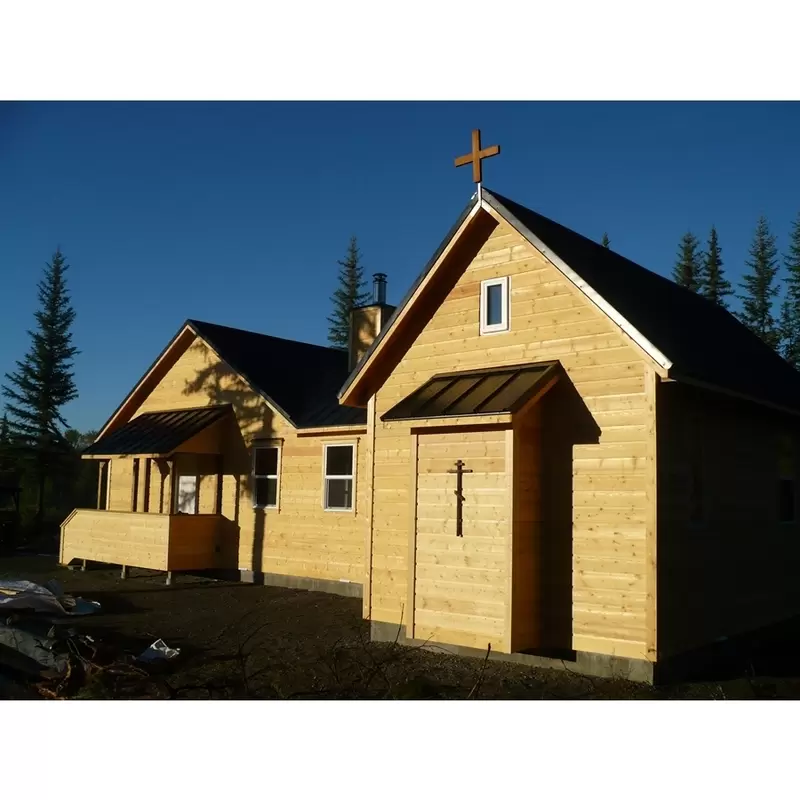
(160, 482)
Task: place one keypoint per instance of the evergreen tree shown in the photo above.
(759, 286)
(790, 312)
(687, 268)
(350, 293)
(713, 283)
(606, 241)
(43, 381)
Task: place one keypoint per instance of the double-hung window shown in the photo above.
(266, 468)
(339, 477)
(494, 305)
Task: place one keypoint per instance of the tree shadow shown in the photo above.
(252, 419)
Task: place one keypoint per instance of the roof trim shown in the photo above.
(159, 358)
(491, 203)
(487, 202)
(188, 325)
(469, 211)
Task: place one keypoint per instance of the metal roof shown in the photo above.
(485, 391)
(157, 433)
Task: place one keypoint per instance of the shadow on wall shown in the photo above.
(254, 420)
(566, 421)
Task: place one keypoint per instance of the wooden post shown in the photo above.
(123, 572)
(169, 578)
(83, 565)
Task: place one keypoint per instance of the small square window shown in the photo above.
(494, 305)
(339, 480)
(265, 477)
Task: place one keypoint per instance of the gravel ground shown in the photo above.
(243, 641)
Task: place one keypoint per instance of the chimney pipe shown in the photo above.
(379, 288)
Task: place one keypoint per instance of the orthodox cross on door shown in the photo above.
(477, 155)
(459, 493)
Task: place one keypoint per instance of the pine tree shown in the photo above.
(606, 241)
(350, 293)
(790, 312)
(713, 283)
(43, 381)
(759, 286)
(687, 268)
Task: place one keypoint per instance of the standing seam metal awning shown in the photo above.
(157, 433)
(461, 394)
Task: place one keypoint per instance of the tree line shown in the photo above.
(701, 270)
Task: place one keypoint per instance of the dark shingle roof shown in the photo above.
(703, 341)
(473, 392)
(301, 380)
(158, 432)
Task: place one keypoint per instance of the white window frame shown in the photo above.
(276, 476)
(325, 477)
(505, 323)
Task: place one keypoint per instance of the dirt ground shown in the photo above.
(243, 641)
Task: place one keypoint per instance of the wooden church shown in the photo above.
(544, 449)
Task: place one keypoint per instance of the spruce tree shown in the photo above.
(759, 286)
(713, 283)
(350, 293)
(790, 312)
(43, 381)
(606, 241)
(687, 268)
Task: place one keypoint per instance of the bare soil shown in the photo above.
(238, 640)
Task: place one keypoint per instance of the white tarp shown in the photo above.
(48, 599)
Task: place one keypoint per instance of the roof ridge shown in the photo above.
(199, 322)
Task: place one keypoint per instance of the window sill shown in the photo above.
(265, 508)
(339, 510)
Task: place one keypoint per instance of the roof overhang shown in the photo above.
(470, 395)
(158, 434)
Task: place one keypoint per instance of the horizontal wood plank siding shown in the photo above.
(733, 569)
(116, 537)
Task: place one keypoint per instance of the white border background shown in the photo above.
(72, 50)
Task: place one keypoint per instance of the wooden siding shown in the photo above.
(299, 538)
(116, 537)
(607, 440)
(460, 593)
(149, 541)
(733, 569)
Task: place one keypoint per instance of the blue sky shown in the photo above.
(236, 213)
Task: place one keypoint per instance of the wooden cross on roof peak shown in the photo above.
(477, 155)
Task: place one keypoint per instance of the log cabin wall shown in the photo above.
(726, 563)
(604, 446)
(299, 538)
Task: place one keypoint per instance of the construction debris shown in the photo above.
(45, 599)
(158, 651)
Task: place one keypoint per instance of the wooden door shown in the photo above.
(460, 583)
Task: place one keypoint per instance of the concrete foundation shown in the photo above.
(594, 664)
(344, 588)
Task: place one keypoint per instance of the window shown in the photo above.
(135, 485)
(266, 461)
(339, 477)
(494, 305)
(786, 500)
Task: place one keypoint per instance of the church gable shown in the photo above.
(199, 377)
(512, 306)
